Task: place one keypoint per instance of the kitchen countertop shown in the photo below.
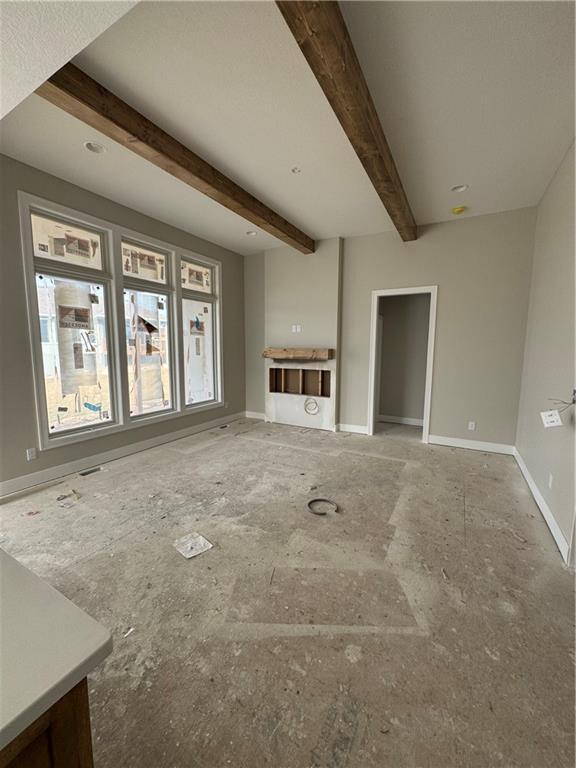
(47, 646)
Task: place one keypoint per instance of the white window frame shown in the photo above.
(111, 275)
(207, 298)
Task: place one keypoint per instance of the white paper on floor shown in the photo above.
(193, 544)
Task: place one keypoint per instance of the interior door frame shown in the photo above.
(375, 327)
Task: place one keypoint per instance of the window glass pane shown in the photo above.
(66, 243)
(196, 277)
(143, 262)
(198, 320)
(147, 345)
(74, 352)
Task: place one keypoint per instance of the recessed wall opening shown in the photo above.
(401, 375)
(402, 347)
(300, 381)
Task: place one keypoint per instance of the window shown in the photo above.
(143, 262)
(195, 277)
(65, 243)
(147, 351)
(121, 335)
(198, 333)
(198, 351)
(75, 359)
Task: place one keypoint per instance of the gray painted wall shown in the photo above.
(482, 268)
(549, 352)
(254, 331)
(17, 411)
(302, 290)
(403, 357)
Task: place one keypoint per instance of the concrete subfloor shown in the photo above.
(429, 624)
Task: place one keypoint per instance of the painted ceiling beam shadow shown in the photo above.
(78, 94)
(320, 31)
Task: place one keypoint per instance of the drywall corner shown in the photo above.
(254, 329)
(548, 366)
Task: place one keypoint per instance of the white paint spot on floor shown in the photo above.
(494, 655)
(508, 608)
(353, 653)
(295, 667)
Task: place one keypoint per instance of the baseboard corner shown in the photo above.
(359, 429)
(557, 535)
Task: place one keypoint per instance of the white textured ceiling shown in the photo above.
(37, 38)
(478, 93)
(468, 92)
(229, 81)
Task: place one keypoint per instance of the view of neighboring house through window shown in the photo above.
(72, 320)
(80, 327)
(198, 350)
(65, 243)
(195, 277)
(198, 330)
(143, 263)
(147, 348)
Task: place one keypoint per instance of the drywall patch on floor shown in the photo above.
(322, 597)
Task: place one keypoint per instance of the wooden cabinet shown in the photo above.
(60, 738)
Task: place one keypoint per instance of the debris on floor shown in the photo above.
(193, 544)
(128, 632)
(90, 471)
(322, 506)
(67, 500)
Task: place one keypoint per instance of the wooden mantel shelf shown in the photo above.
(299, 353)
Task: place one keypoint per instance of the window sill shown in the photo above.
(134, 423)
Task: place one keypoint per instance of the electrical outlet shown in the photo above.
(550, 480)
(471, 426)
(226, 404)
(30, 454)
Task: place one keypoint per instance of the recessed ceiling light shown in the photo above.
(251, 233)
(459, 188)
(295, 169)
(93, 146)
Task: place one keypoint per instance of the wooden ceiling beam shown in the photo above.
(320, 31)
(78, 94)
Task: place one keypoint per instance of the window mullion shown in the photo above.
(179, 331)
(196, 296)
(123, 395)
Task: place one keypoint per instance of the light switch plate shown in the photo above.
(551, 418)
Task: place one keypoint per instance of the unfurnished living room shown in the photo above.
(287, 393)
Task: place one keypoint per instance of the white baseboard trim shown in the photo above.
(359, 429)
(9, 488)
(255, 415)
(401, 420)
(557, 534)
(474, 445)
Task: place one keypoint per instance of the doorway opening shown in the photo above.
(402, 358)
